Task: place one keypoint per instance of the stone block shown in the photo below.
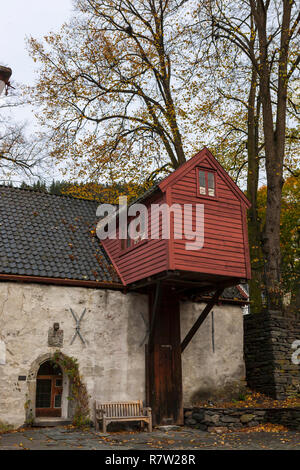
(198, 415)
(229, 419)
(217, 429)
(190, 422)
(201, 427)
(247, 418)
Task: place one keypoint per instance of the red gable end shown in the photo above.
(207, 160)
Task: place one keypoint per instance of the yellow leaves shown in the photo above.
(253, 400)
(268, 427)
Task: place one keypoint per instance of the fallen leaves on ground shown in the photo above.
(267, 427)
(252, 400)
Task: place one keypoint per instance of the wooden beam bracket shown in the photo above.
(201, 319)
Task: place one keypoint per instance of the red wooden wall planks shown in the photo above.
(225, 251)
(146, 259)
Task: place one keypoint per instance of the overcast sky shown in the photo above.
(21, 19)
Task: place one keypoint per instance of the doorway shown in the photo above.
(49, 389)
(164, 374)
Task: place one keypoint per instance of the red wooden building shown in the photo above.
(169, 268)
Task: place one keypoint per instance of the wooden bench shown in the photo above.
(109, 412)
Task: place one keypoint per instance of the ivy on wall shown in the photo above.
(78, 389)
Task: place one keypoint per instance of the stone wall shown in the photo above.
(112, 357)
(213, 363)
(217, 419)
(268, 340)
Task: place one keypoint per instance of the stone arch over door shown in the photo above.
(31, 396)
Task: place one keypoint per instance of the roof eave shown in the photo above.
(61, 281)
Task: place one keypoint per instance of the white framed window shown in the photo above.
(206, 183)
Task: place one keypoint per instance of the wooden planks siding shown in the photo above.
(146, 259)
(223, 252)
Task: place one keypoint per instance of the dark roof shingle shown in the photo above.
(51, 236)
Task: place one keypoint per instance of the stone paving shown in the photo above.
(63, 438)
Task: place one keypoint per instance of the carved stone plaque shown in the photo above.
(55, 338)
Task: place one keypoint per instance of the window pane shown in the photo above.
(57, 401)
(202, 182)
(47, 368)
(202, 178)
(211, 184)
(43, 393)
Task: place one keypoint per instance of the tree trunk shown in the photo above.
(274, 142)
(271, 236)
(254, 231)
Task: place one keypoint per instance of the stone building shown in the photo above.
(60, 292)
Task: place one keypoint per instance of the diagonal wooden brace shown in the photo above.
(201, 319)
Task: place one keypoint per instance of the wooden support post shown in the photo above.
(154, 311)
(148, 398)
(201, 319)
(164, 381)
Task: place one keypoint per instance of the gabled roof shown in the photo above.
(51, 236)
(201, 157)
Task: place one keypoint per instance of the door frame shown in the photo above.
(30, 404)
(52, 411)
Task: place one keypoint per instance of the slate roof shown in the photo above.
(234, 294)
(50, 236)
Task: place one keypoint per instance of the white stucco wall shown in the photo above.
(211, 371)
(112, 360)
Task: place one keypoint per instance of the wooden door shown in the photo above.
(48, 395)
(49, 387)
(164, 361)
